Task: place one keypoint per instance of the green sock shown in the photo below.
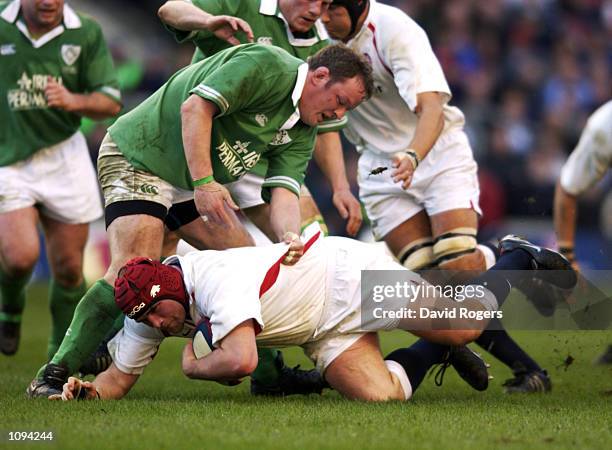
(267, 371)
(62, 302)
(12, 297)
(93, 318)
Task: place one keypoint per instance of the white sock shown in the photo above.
(488, 254)
(396, 369)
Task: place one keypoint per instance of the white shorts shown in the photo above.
(59, 180)
(341, 323)
(445, 180)
(246, 192)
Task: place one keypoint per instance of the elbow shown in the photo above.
(244, 366)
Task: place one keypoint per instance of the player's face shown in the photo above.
(302, 14)
(337, 22)
(323, 100)
(43, 14)
(167, 316)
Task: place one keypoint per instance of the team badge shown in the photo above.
(261, 119)
(70, 53)
(282, 137)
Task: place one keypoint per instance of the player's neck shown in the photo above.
(37, 30)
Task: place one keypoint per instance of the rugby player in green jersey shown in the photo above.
(206, 127)
(56, 68)
(293, 25)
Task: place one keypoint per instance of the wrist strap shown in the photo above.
(415, 157)
(203, 181)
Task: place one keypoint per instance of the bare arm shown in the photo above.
(329, 157)
(564, 216)
(285, 222)
(187, 17)
(110, 384)
(234, 358)
(430, 124)
(211, 198)
(95, 105)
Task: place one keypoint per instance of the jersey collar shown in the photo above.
(271, 8)
(295, 96)
(70, 21)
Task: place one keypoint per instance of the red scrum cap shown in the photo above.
(143, 282)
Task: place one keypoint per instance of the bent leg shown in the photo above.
(360, 373)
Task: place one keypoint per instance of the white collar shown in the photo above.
(271, 8)
(70, 21)
(300, 82)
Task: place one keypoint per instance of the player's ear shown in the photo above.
(321, 76)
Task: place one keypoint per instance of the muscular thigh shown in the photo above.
(360, 372)
(411, 242)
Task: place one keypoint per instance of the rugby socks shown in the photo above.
(500, 284)
(93, 318)
(267, 371)
(490, 252)
(12, 297)
(503, 347)
(62, 303)
(417, 359)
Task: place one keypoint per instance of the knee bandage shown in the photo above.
(417, 255)
(454, 244)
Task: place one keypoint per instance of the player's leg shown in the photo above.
(19, 250)
(65, 245)
(360, 373)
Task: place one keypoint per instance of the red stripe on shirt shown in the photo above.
(373, 29)
(272, 274)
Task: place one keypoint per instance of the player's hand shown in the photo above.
(296, 248)
(226, 27)
(212, 200)
(76, 389)
(404, 169)
(349, 208)
(60, 97)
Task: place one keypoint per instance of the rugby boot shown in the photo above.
(468, 364)
(548, 265)
(51, 383)
(291, 381)
(528, 382)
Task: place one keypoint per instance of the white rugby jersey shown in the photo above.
(404, 65)
(592, 157)
(231, 286)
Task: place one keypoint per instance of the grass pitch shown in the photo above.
(167, 411)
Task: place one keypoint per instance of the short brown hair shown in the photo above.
(343, 63)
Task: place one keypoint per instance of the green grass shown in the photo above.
(167, 411)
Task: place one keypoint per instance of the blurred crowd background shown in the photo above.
(526, 73)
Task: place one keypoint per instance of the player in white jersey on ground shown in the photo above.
(248, 298)
(417, 175)
(587, 165)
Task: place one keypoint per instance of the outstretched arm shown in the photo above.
(188, 17)
(110, 384)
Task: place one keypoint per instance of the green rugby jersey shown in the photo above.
(269, 28)
(256, 89)
(74, 54)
